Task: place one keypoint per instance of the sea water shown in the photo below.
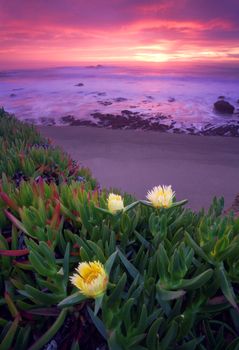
(184, 95)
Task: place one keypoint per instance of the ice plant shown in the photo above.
(91, 279)
(115, 203)
(161, 196)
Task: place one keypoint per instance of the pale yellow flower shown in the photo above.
(91, 279)
(115, 203)
(161, 196)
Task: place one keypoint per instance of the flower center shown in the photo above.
(92, 276)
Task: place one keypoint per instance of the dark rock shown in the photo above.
(96, 66)
(47, 121)
(221, 97)
(128, 120)
(119, 99)
(79, 122)
(105, 103)
(161, 116)
(191, 130)
(208, 125)
(68, 119)
(30, 121)
(238, 101)
(222, 130)
(127, 112)
(13, 95)
(93, 93)
(223, 107)
(79, 84)
(101, 93)
(171, 99)
(150, 97)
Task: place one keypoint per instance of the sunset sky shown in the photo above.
(47, 32)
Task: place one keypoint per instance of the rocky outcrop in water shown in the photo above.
(97, 66)
(223, 107)
(105, 103)
(171, 99)
(119, 99)
(79, 84)
(221, 130)
(68, 119)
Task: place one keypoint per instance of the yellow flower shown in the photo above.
(161, 196)
(115, 203)
(91, 279)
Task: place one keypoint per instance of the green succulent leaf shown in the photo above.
(169, 294)
(179, 204)
(198, 281)
(129, 267)
(9, 337)
(131, 206)
(226, 286)
(98, 323)
(51, 331)
(152, 336)
(110, 261)
(73, 299)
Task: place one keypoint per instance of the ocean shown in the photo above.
(172, 99)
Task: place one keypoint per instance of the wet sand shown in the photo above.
(198, 167)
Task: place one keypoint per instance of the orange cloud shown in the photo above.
(75, 31)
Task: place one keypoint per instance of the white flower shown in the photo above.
(91, 279)
(161, 196)
(115, 203)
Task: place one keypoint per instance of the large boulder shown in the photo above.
(171, 99)
(223, 107)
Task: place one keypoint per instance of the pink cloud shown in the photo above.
(119, 30)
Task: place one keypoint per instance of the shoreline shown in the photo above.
(128, 120)
(134, 161)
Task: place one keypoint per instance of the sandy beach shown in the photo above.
(198, 167)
